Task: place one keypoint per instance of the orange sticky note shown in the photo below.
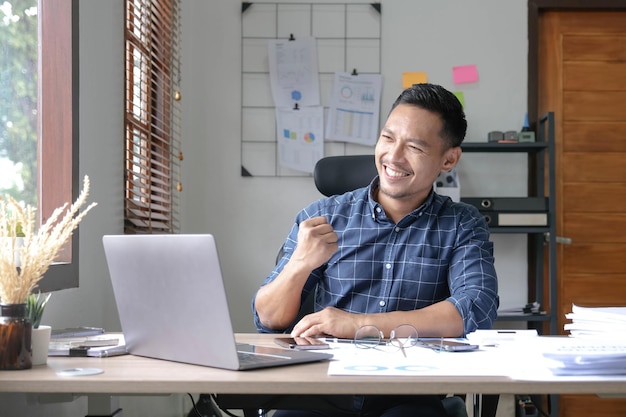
(410, 78)
(465, 74)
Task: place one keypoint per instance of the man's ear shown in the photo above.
(451, 158)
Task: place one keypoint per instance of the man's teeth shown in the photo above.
(393, 173)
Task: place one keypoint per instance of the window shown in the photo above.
(48, 148)
(153, 153)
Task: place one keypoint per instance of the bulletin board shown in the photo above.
(348, 37)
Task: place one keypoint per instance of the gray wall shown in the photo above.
(251, 216)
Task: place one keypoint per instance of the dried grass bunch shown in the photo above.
(23, 264)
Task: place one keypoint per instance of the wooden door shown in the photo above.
(582, 78)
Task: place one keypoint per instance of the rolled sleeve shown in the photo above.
(472, 276)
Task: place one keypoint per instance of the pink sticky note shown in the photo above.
(465, 74)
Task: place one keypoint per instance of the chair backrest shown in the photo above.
(339, 174)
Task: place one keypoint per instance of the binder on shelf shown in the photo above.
(512, 211)
(516, 219)
(508, 204)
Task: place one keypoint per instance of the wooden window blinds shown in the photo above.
(152, 116)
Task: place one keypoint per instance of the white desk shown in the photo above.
(128, 374)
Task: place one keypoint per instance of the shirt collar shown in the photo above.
(378, 213)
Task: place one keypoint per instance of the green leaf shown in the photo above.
(35, 305)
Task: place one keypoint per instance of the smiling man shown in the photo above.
(392, 253)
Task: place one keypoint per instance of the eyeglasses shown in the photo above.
(369, 336)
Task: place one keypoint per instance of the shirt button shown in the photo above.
(397, 229)
(388, 266)
(377, 209)
(381, 303)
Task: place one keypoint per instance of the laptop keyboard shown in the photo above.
(251, 358)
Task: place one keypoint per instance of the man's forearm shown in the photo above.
(278, 302)
(441, 319)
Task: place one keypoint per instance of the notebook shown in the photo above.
(172, 304)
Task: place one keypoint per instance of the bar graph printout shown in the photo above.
(354, 108)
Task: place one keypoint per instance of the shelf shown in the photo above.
(524, 317)
(540, 199)
(519, 229)
(528, 147)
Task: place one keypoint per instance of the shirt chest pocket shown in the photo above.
(425, 269)
(424, 279)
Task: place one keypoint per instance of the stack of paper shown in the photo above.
(597, 345)
(100, 346)
(605, 323)
(588, 358)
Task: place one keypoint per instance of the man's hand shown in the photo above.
(278, 302)
(330, 321)
(317, 241)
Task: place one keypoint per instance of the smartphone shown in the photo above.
(448, 345)
(301, 343)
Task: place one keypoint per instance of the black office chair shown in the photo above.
(334, 175)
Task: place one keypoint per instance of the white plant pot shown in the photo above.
(40, 341)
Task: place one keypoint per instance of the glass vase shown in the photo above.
(15, 337)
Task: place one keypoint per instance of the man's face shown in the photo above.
(410, 153)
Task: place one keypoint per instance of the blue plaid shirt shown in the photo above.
(440, 251)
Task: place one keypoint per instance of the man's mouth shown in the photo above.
(393, 173)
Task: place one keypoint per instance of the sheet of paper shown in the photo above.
(460, 96)
(410, 78)
(597, 322)
(294, 76)
(465, 74)
(354, 108)
(544, 358)
(559, 356)
(300, 137)
(386, 361)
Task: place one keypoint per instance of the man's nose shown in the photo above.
(395, 152)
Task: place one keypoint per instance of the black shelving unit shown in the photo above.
(541, 160)
(541, 172)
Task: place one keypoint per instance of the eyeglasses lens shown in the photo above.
(405, 334)
(368, 337)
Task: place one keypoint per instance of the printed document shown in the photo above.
(606, 323)
(294, 75)
(354, 108)
(300, 137)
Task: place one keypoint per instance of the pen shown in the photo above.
(360, 342)
(337, 340)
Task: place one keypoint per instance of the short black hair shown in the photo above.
(437, 99)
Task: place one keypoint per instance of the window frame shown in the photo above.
(58, 128)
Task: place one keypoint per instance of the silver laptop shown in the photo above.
(172, 304)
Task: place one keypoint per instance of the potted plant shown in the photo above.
(23, 262)
(35, 305)
(40, 339)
